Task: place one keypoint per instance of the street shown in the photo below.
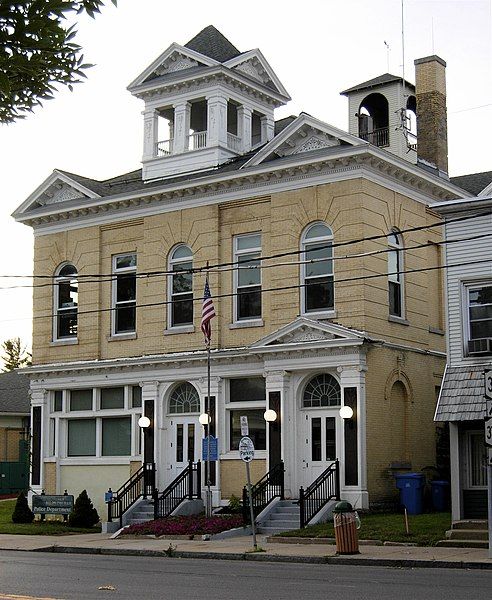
(72, 576)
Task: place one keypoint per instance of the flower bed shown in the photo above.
(189, 525)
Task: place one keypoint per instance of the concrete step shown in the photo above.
(273, 530)
(284, 515)
(286, 525)
(470, 524)
(467, 534)
(463, 544)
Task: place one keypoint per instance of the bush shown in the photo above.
(83, 514)
(22, 513)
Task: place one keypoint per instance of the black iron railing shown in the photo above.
(187, 485)
(269, 487)
(140, 485)
(378, 137)
(324, 488)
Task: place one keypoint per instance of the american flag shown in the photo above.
(208, 313)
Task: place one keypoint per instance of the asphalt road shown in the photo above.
(69, 576)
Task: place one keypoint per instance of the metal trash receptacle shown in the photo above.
(345, 524)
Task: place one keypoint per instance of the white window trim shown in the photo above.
(400, 247)
(236, 254)
(329, 312)
(117, 271)
(468, 442)
(183, 327)
(466, 288)
(68, 339)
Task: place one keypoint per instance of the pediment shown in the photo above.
(254, 65)
(304, 330)
(57, 188)
(304, 134)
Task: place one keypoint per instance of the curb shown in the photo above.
(320, 560)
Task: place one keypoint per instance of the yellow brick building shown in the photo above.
(317, 245)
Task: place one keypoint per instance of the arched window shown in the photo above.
(181, 287)
(395, 275)
(322, 391)
(184, 399)
(317, 292)
(65, 302)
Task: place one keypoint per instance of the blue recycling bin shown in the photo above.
(411, 491)
(440, 495)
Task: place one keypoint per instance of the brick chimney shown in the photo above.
(432, 131)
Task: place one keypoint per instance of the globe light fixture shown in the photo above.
(346, 412)
(204, 419)
(144, 422)
(270, 415)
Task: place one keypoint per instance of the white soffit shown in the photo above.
(254, 65)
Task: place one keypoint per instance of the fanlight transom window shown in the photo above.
(184, 399)
(322, 390)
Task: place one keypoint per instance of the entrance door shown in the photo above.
(185, 442)
(318, 444)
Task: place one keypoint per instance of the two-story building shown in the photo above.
(469, 301)
(316, 243)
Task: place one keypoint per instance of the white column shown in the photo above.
(220, 425)
(150, 133)
(39, 398)
(267, 128)
(244, 116)
(150, 393)
(216, 121)
(456, 478)
(182, 113)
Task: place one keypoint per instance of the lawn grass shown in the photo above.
(51, 527)
(425, 530)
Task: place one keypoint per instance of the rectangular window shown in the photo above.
(256, 424)
(179, 443)
(478, 460)
(57, 401)
(318, 278)
(247, 280)
(395, 282)
(331, 448)
(136, 392)
(480, 319)
(116, 436)
(124, 293)
(251, 389)
(66, 303)
(82, 437)
(113, 397)
(316, 439)
(81, 399)
(182, 294)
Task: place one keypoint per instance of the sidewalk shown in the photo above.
(239, 548)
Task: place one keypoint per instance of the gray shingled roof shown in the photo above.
(473, 182)
(14, 396)
(213, 44)
(386, 78)
(461, 397)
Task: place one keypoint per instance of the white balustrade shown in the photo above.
(197, 140)
(165, 148)
(233, 142)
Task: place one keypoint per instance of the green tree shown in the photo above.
(16, 355)
(83, 514)
(22, 513)
(37, 52)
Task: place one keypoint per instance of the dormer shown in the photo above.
(205, 103)
(382, 111)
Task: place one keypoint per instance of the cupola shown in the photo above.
(205, 103)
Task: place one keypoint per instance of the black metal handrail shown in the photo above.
(324, 488)
(378, 137)
(140, 484)
(270, 486)
(187, 485)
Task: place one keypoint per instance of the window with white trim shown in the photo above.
(395, 276)
(479, 319)
(180, 310)
(317, 288)
(184, 399)
(247, 277)
(247, 397)
(66, 292)
(124, 293)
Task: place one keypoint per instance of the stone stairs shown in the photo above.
(466, 534)
(141, 513)
(285, 516)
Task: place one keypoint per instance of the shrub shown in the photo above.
(22, 513)
(83, 514)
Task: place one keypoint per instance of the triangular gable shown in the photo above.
(175, 58)
(255, 66)
(58, 187)
(308, 330)
(487, 191)
(304, 134)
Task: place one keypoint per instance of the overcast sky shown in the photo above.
(316, 47)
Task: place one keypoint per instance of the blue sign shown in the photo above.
(214, 448)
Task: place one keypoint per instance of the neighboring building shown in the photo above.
(224, 184)
(14, 432)
(469, 300)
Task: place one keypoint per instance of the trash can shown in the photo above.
(345, 523)
(440, 495)
(411, 491)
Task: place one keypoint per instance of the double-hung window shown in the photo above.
(247, 277)
(124, 293)
(395, 276)
(66, 302)
(181, 287)
(317, 289)
(479, 326)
